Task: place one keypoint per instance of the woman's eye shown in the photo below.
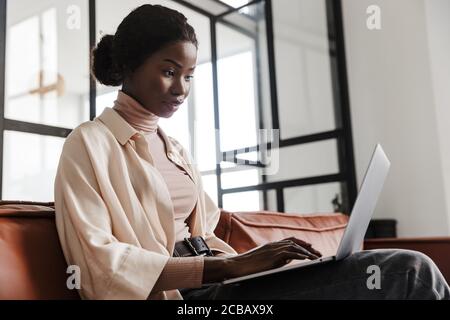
(169, 73)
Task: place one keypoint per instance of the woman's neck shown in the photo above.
(135, 114)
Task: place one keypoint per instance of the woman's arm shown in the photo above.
(269, 256)
(180, 273)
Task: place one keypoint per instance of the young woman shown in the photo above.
(127, 195)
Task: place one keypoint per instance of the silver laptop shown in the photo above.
(359, 219)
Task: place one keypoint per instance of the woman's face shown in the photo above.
(163, 81)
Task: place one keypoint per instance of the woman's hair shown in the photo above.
(144, 31)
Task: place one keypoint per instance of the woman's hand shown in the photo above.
(270, 256)
(266, 257)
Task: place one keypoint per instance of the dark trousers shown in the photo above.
(403, 274)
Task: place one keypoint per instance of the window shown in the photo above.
(46, 83)
(246, 80)
(237, 4)
(29, 165)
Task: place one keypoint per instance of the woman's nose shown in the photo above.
(179, 88)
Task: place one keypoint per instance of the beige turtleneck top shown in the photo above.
(178, 272)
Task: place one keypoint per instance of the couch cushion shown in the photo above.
(246, 230)
(32, 265)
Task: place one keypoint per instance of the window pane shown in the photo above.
(22, 68)
(204, 128)
(50, 43)
(235, 3)
(216, 7)
(307, 160)
(242, 60)
(312, 199)
(47, 75)
(104, 100)
(240, 176)
(29, 166)
(236, 102)
(243, 201)
(244, 77)
(294, 162)
(272, 200)
(238, 3)
(303, 67)
(210, 186)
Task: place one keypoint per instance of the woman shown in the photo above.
(127, 195)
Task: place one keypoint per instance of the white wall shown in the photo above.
(438, 23)
(393, 102)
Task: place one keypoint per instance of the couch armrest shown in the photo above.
(438, 249)
(32, 264)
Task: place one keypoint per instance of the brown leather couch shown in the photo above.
(32, 265)
(246, 230)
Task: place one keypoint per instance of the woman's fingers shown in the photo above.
(289, 256)
(305, 252)
(305, 245)
(291, 246)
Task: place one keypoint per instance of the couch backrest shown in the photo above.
(32, 265)
(246, 230)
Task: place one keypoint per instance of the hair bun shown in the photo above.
(104, 68)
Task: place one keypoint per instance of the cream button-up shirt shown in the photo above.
(114, 214)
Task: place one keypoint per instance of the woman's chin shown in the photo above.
(167, 114)
(168, 111)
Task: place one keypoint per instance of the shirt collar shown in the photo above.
(123, 131)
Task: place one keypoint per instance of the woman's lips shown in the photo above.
(172, 105)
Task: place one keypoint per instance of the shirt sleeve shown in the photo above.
(181, 273)
(110, 269)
